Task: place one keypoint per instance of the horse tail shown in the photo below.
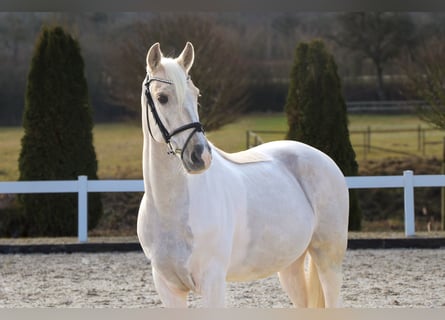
(315, 291)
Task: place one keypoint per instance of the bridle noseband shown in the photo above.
(196, 126)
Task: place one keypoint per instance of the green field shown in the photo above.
(394, 144)
(119, 146)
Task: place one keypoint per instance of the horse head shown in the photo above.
(171, 102)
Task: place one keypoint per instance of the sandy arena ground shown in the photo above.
(372, 278)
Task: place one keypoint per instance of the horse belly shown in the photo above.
(275, 230)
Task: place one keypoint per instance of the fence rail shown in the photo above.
(253, 139)
(408, 181)
(419, 132)
(81, 186)
(385, 107)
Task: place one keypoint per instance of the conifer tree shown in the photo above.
(58, 141)
(316, 112)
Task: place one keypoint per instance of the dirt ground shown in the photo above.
(372, 279)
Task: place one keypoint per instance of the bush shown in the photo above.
(12, 220)
(58, 142)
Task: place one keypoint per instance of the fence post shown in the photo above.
(248, 132)
(408, 188)
(368, 143)
(82, 214)
(419, 138)
(365, 144)
(442, 191)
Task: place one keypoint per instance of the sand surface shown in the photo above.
(372, 278)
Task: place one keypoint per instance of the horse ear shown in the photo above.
(187, 57)
(154, 56)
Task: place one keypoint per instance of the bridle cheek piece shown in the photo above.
(196, 126)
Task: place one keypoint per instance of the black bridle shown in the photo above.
(196, 126)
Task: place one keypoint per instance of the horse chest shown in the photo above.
(170, 252)
(168, 241)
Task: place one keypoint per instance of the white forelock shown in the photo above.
(175, 73)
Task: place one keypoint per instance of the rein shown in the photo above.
(196, 126)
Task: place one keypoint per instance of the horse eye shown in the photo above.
(163, 99)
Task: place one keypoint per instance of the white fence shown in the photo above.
(82, 186)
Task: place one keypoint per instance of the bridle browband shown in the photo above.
(196, 126)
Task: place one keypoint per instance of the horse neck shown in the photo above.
(164, 176)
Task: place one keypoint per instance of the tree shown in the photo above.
(379, 36)
(218, 70)
(57, 142)
(424, 70)
(17, 30)
(425, 74)
(316, 112)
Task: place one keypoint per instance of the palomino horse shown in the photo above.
(208, 217)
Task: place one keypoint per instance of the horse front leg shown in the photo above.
(213, 287)
(170, 297)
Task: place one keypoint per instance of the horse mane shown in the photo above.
(243, 157)
(176, 74)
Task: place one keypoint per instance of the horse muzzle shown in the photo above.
(197, 158)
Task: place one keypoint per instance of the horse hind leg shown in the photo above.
(292, 279)
(326, 269)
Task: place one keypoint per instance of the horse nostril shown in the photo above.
(196, 153)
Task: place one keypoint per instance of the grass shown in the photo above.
(119, 150)
(383, 145)
(428, 143)
(9, 152)
(119, 146)
(232, 137)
